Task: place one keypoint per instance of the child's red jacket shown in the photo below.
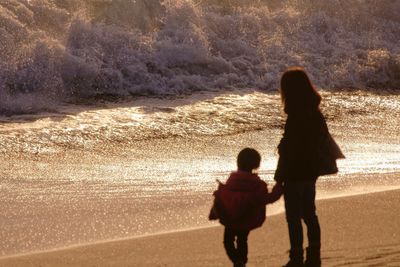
(240, 203)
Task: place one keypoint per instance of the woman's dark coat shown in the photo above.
(306, 149)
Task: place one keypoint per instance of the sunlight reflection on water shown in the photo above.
(114, 172)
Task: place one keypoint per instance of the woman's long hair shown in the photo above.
(297, 93)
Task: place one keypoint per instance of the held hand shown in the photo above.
(275, 194)
(278, 189)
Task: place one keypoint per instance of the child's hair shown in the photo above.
(248, 159)
(297, 92)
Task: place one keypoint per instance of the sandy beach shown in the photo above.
(360, 230)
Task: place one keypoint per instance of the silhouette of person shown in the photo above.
(299, 163)
(240, 205)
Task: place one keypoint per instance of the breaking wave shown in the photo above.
(81, 49)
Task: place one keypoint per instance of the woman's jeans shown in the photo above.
(300, 204)
(238, 253)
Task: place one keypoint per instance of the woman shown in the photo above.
(301, 162)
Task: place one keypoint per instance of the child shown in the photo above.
(240, 204)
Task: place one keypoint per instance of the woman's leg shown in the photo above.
(313, 228)
(293, 195)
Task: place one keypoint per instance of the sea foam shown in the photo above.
(75, 49)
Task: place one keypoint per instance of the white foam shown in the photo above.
(85, 48)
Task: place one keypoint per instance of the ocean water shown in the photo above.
(118, 116)
(89, 173)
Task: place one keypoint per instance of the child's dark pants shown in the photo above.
(238, 253)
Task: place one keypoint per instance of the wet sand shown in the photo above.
(356, 231)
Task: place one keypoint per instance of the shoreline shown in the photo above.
(70, 253)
